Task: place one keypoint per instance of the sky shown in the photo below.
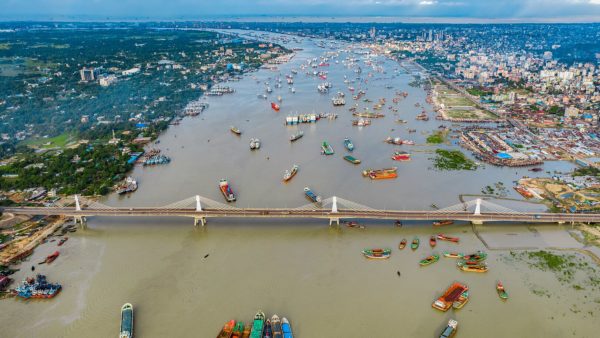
(556, 10)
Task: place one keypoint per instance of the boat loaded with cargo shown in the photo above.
(452, 294)
(254, 143)
(311, 195)
(450, 330)
(290, 173)
(226, 190)
(126, 321)
(36, 288)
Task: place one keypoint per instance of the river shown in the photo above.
(187, 281)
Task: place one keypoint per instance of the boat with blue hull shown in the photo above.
(348, 144)
(126, 321)
(311, 195)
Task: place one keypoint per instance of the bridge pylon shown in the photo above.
(477, 212)
(334, 210)
(200, 221)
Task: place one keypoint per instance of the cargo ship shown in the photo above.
(401, 156)
(352, 159)
(429, 260)
(445, 302)
(286, 328)
(377, 253)
(311, 195)
(226, 190)
(258, 325)
(129, 185)
(290, 173)
(254, 143)
(450, 330)
(440, 223)
(126, 321)
(442, 237)
(326, 148)
(380, 174)
(235, 130)
(227, 329)
(348, 144)
(296, 136)
(276, 327)
(37, 288)
(274, 106)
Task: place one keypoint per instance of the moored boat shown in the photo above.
(473, 268)
(267, 331)
(238, 329)
(311, 195)
(402, 244)
(326, 148)
(50, 258)
(415, 243)
(453, 255)
(276, 327)
(351, 159)
(380, 174)
(235, 130)
(461, 300)
(442, 237)
(286, 328)
(348, 144)
(274, 106)
(254, 143)
(227, 330)
(445, 222)
(432, 241)
(377, 253)
(62, 241)
(429, 260)
(450, 330)
(501, 291)
(226, 190)
(476, 257)
(126, 321)
(445, 302)
(401, 156)
(290, 173)
(296, 136)
(257, 325)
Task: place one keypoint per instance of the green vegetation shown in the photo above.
(478, 92)
(452, 160)
(556, 110)
(587, 171)
(437, 137)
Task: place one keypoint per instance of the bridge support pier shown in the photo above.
(478, 222)
(334, 220)
(81, 220)
(199, 221)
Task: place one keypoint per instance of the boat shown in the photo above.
(443, 237)
(246, 333)
(524, 191)
(274, 106)
(129, 185)
(311, 195)
(226, 190)
(254, 144)
(353, 224)
(445, 302)
(238, 329)
(402, 244)
(267, 331)
(429, 260)
(37, 288)
(432, 241)
(473, 268)
(377, 253)
(296, 136)
(62, 241)
(257, 325)
(501, 291)
(227, 330)
(348, 144)
(352, 159)
(440, 223)
(461, 301)
(276, 327)
(450, 330)
(415, 243)
(453, 255)
(279, 98)
(126, 321)
(290, 173)
(326, 148)
(379, 174)
(286, 328)
(361, 122)
(235, 130)
(401, 156)
(50, 258)
(476, 257)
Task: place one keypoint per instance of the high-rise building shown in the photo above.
(372, 32)
(87, 74)
(430, 36)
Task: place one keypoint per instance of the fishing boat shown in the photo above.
(352, 159)
(274, 106)
(62, 241)
(501, 291)
(461, 300)
(361, 122)
(353, 224)
(238, 329)
(401, 156)
(126, 321)
(429, 260)
(348, 144)
(440, 223)
(226, 190)
(402, 244)
(473, 268)
(50, 258)
(453, 255)
(290, 173)
(450, 330)
(286, 328)
(296, 136)
(445, 302)
(476, 257)
(227, 330)
(279, 98)
(254, 144)
(380, 174)
(276, 327)
(326, 148)
(311, 195)
(37, 288)
(235, 130)
(377, 253)
(415, 243)
(442, 237)
(246, 333)
(257, 325)
(432, 241)
(267, 331)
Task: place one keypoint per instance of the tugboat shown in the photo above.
(227, 330)
(235, 130)
(296, 136)
(326, 148)
(450, 330)
(348, 144)
(311, 195)
(126, 321)
(290, 173)
(287, 328)
(257, 325)
(276, 327)
(226, 190)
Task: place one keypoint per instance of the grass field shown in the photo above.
(59, 141)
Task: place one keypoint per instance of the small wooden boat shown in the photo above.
(476, 257)
(235, 130)
(268, 331)
(453, 255)
(352, 159)
(353, 224)
(296, 136)
(377, 253)
(227, 330)
(450, 330)
(62, 241)
(402, 244)
(348, 144)
(238, 329)
(257, 325)
(415, 243)
(440, 223)
(290, 173)
(445, 302)
(432, 241)
(473, 268)
(461, 300)
(429, 260)
(501, 291)
(442, 237)
(326, 148)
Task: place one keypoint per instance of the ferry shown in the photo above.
(287, 328)
(402, 244)
(379, 174)
(275, 106)
(352, 159)
(377, 253)
(290, 173)
(450, 330)
(276, 327)
(226, 190)
(227, 329)
(258, 325)
(415, 243)
(126, 321)
(235, 130)
(254, 143)
(501, 291)
(445, 302)
(348, 144)
(296, 136)
(429, 260)
(326, 148)
(311, 195)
